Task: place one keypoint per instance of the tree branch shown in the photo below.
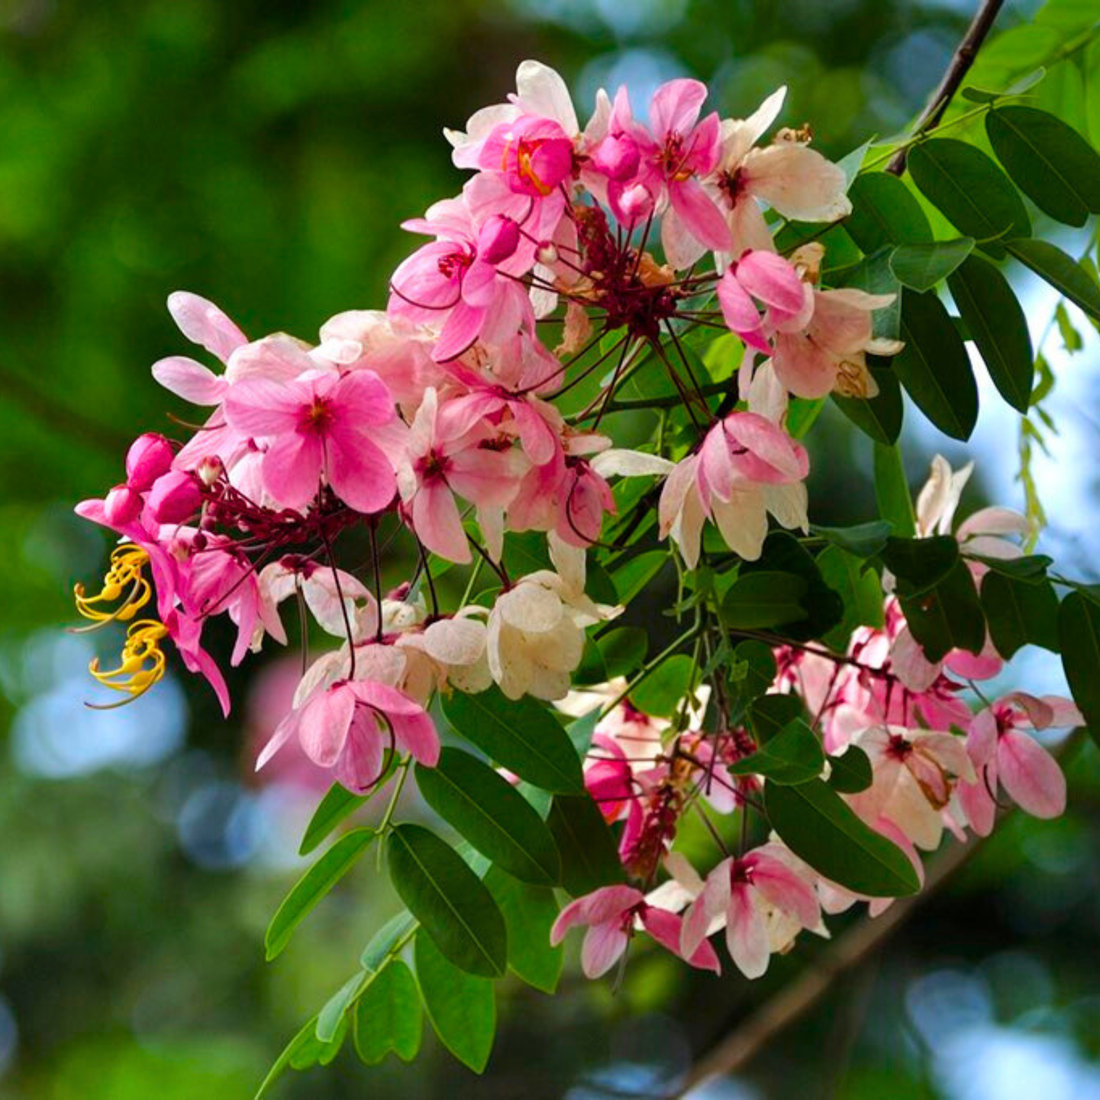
(960, 64)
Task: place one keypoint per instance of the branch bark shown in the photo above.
(961, 61)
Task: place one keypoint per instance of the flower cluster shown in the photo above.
(443, 421)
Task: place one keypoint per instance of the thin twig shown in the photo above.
(960, 64)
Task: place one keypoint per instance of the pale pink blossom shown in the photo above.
(1003, 751)
(350, 725)
(613, 914)
(739, 893)
(765, 278)
(915, 772)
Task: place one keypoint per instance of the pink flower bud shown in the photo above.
(636, 203)
(122, 506)
(498, 239)
(617, 157)
(175, 497)
(149, 456)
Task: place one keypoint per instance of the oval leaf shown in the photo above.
(589, 856)
(388, 1017)
(520, 735)
(820, 828)
(1079, 632)
(313, 886)
(968, 188)
(448, 899)
(529, 914)
(462, 1008)
(337, 804)
(895, 504)
(922, 266)
(880, 416)
(1048, 160)
(793, 755)
(491, 814)
(934, 367)
(884, 212)
(1063, 273)
(851, 771)
(760, 600)
(996, 323)
(1019, 613)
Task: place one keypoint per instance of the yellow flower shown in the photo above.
(142, 661)
(124, 586)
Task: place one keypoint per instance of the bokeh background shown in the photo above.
(263, 154)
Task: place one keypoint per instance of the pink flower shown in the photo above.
(914, 777)
(739, 893)
(319, 426)
(349, 726)
(444, 456)
(675, 158)
(771, 280)
(612, 914)
(149, 456)
(1002, 751)
(449, 284)
(790, 177)
(747, 467)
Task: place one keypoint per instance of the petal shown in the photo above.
(189, 380)
(203, 323)
(785, 889)
(747, 933)
(1031, 776)
(359, 473)
(665, 928)
(436, 521)
(603, 945)
(324, 722)
(291, 469)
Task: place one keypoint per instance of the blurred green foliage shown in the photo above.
(263, 155)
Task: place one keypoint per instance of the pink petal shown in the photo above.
(785, 889)
(189, 380)
(675, 107)
(363, 397)
(324, 722)
(436, 521)
(359, 473)
(740, 312)
(747, 933)
(1031, 776)
(665, 928)
(260, 407)
(292, 469)
(700, 215)
(773, 280)
(203, 323)
(602, 947)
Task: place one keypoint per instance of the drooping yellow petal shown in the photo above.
(125, 588)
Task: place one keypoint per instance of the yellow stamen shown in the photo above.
(142, 662)
(124, 587)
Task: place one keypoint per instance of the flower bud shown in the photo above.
(209, 470)
(635, 204)
(617, 157)
(149, 456)
(121, 506)
(498, 239)
(175, 497)
(547, 253)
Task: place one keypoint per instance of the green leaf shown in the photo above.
(860, 589)
(968, 188)
(923, 266)
(1048, 160)
(529, 913)
(947, 616)
(766, 599)
(521, 735)
(880, 416)
(1020, 612)
(895, 505)
(768, 714)
(662, 691)
(864, 540)
(850, 772)
(1079, 633)
(634, 575)
(589, 855)
(934, 367)
(782, 552)
(387, 1016)
(884, 212)
(331, 1020)
(448, 899)
(491, 814)
(461, 1007)
(793, 755)
(920, 563)
(820, 828)
(997, 325)
(1032, 567)
(1066, 276)
(623, 650)
(313, 886)
(337, 804)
